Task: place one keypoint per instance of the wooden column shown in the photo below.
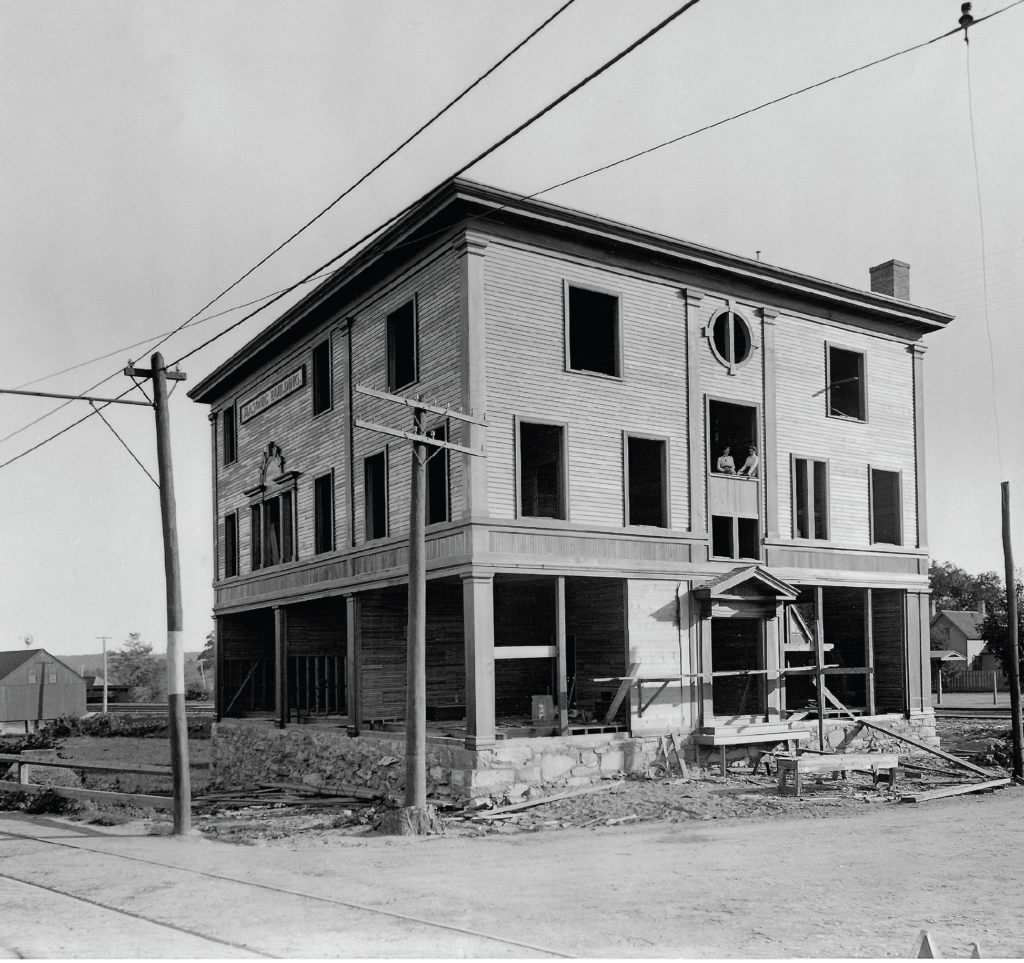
(706, 665)
(819, 661)
(281, 665)
(774, 635)
(918, 646)
(470, 251)
(353, 680)
(478, 611)
(919, 471)
(563, 694)
(218, 670)
(769, 456)
(697, 468)
(416, 674)
(869, 650)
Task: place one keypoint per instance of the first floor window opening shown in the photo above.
(323, 510)
(845, 388)
(541, 470)
(737, 645)
(402, 349)
(273, 530)
(646, 482)
(231, 545)
(437, 479)
(810, 498)
(886, 523)
(593, 331)
(375, 494)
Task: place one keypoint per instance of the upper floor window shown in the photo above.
(542, 470)
(646, 481)
(730, 338)
(593, 336)
(437, 479)
(846, 388)
(227, 422)
(732, 439)
(735, 537)
(375, 496)
(322, 399)
(886, 507)
(231, 545)
(272, 536)
(323, 512)
(402, 347)
(810, 498)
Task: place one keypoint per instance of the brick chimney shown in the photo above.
(892, 278)
(982, 609)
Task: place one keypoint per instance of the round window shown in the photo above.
(730, 338)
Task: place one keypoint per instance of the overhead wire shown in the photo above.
(125, 444)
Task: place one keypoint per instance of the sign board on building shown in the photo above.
(273, 394)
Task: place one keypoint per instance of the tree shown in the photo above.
(136, 666)
(995, 630)
(954, 588)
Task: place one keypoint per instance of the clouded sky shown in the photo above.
(154, 151)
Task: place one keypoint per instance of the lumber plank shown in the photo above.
(955, 790)
(96, 795)
(491, 813)
(907, 739)
(92, 766)
(627, 681)
(679, 755)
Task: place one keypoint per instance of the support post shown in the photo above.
(478, 619)
(995, 687)
(819, 662)
(281, 664)
(416, 705)
(1011, 622)
(353, 697)
(218, 669)
(938, 684)
(106, 639)
(172, 571)
(560, 660)
(869, 650)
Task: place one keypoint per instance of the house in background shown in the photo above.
(959, 631)
(36, 687)
(701, 470)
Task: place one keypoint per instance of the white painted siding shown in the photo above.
(526, 376)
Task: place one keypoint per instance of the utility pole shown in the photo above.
(1011, 622)
(105, 639)
(416, 818)
(172, 572)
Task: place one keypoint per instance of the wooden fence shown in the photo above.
(975, 680)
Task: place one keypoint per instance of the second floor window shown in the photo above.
(810, 498)
(437, 480)
(886, 511)
(231, 545)
(323, 511)
(646, 482)
(375, 496)
(227, 422)
(322, 399)
(272, 534)
(846, 389)
(402, 347)
(542, 471)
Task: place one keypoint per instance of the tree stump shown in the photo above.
(411, 821)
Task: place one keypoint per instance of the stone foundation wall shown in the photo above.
(245, 753)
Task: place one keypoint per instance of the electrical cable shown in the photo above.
(984, 278)
(125, 444)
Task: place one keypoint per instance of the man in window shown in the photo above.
(750, 465)
(726, 466)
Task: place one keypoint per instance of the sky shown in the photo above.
(153, 151)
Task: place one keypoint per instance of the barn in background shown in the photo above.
(34, 687)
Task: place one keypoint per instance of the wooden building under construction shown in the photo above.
(703, 474)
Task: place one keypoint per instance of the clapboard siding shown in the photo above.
(886, 440)
(436, 289)
(311, 446)
(526, 376)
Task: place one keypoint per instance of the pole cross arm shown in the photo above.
(419, 405)
(134, 372)
(412, 436)
(50, 394)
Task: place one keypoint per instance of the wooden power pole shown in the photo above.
(1011, 623)
(105, 639)
(172, 572)
(416, 818)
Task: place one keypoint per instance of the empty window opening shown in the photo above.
(730, 338)
(401, 347)
(246, 678)
(810, 498)
(845, 630)
(593, 325)
(885, 507)
(227, 421)
(375, 496)
(732, 439)
(322, 377)
(845, 387)
(736, 645)
(323, 509)
(646, 490)
(437, 479)
(733, 537)
(231, 545)
(541, 470)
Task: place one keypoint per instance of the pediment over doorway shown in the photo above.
(750, 583)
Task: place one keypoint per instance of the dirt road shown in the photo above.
(782, 887)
